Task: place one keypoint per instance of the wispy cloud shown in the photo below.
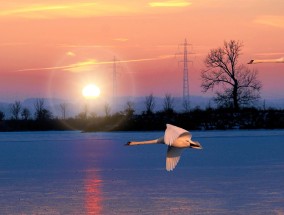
(121, 39)
(178, 3)
(34, 8)
(86, 65)
(44, 10)
(70, 67)
(71, 54)
(66, 45)
(274, 21)
(13, 44)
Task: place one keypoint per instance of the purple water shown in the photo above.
(237, 172)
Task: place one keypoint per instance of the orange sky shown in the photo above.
(52, 48)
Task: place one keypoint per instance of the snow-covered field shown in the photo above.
(237, 172)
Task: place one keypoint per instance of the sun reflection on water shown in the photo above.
(93, 198)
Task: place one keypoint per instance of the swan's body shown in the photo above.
(177, 140)
(279, 60)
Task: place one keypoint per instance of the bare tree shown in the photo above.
(129, 109)
(25, 113)
(238, 83)
(186, 105)
(39, 105)
(93, 115)
(15, 109)
(63, 109)
(168, 103)
(150, 104)
(107, 110)
(41, 113)
(84, 114)
(2, 115)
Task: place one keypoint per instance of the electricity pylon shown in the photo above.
(185, 61)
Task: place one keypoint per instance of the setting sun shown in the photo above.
(91, 91)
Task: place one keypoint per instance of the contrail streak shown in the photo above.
(94, 62)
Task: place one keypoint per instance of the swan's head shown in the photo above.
(184, 141)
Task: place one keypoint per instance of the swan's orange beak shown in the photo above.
(195, 145)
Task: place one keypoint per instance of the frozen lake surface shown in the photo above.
(237, 172)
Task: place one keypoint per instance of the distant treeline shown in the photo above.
(236, 87)
(196, 119)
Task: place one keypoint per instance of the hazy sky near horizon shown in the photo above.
(52, 48)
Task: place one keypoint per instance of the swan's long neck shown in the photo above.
(264, 61)
(280, 60)
(160, 140)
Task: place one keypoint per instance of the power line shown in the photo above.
(114, 81)
(185, 73)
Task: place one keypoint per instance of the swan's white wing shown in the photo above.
(173, 156)
(173, 132)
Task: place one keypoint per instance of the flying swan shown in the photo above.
(177, 140)
(279, 60)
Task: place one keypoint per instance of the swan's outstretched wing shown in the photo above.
(173, 156)
(173, 132)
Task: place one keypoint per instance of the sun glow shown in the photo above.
(91, 91)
